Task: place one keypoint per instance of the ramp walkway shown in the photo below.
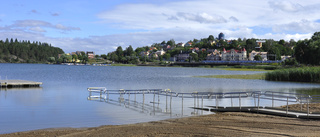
(231, 101)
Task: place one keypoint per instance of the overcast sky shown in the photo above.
(103, 25)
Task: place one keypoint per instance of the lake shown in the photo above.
(62, 99)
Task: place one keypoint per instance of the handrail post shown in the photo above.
(258, 102)
(128, 99)
(308, 107)
(216, 102)
(166, 101)
(287, 105)
(89, 92)
(300, 102)
(254, 97)
(202, 105)
(170, 103)
(231, 101)
(272, 100)
(197, 99)
(182, 106)
(135, 97)
(240, 101)
(100, 93)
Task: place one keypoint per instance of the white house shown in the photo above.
(234, 55)
(264, 55)
(160, 52)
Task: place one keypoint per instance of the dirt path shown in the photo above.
(221, 124)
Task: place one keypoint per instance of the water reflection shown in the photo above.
(153, 103)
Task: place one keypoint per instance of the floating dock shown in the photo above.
(19, 83)
(267, 110)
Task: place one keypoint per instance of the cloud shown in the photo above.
(62, 27)
(30, 23)
(286, 6)
(233, 19)
(34, 11)
(37, 25)
(303, 26)
(201, 17)
(55, 14)
(37, 29)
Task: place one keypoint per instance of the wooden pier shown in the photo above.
(19, 83)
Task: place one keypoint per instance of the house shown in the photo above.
(144, 53)
(234, 55)
(283, 58)
(90, 54)
(160, 52)
(153, 55)
(166, 47)
(152, 48)
(180, 44)
(214, 56)
(212, 42)
(264, 55)
(79, 52)
(188, 44)
(182, 57)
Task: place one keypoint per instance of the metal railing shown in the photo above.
(284, 97)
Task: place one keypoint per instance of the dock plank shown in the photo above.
(19, 83)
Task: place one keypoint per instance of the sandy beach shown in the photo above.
(220, 124)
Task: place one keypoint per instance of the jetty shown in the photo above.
(18, 83)
(266, 102)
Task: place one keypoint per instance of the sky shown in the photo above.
(103, 25)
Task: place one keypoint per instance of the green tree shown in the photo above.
(258, 58)
(51, 59)
(171, 42)
(74, 57)
(129, 51)
(307, 51)
(104, 56)
(167, 56)
(119, 51)
(211, 38)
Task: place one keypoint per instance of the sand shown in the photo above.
(220, 124)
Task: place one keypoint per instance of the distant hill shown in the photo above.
(14, 51)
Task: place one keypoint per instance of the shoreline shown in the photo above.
(220, 124)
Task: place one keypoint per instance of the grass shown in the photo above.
(243, 69)
(303, 74)
(249, 76)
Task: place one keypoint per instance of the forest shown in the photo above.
(14, 51)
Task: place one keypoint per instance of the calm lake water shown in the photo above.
(62, 99)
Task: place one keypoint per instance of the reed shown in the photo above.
(303, 74)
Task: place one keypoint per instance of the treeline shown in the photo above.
(14, 51)
(308, 51)
(275, 49)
